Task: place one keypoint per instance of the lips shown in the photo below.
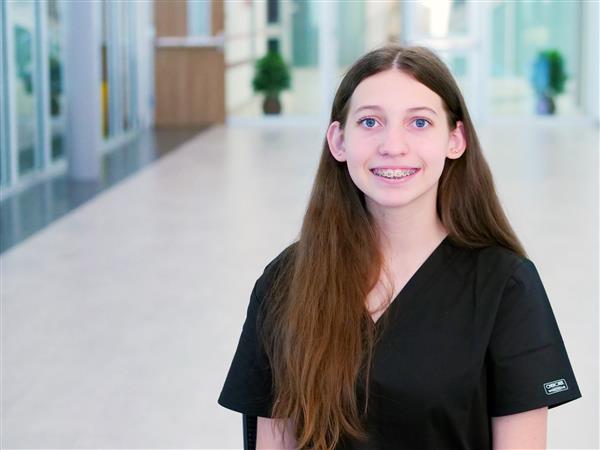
(394, 173)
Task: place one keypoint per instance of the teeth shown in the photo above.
(390, 173)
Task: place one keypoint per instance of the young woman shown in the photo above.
(406, 315)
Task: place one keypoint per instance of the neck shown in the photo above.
(409, 230)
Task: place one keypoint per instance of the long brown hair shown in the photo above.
(317, 331)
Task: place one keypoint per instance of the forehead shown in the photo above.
(394, 90)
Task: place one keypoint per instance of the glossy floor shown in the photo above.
(119, 320)
(30, 210)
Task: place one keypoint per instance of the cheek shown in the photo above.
(356, 164)
(356, 169)
(432, 150)
(358, 151)
(433, 138)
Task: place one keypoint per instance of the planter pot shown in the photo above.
(545, 105)
(271, 105)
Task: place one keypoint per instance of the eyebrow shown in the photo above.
(413, 109)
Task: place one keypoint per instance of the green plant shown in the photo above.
(271, 75)
(549, 74)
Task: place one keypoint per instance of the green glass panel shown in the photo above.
(23, 28)
(55, 76)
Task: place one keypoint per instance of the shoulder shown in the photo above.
(493, 268)
(274, 268)
(515, 269)
(499, 259)
(509, 285)
(282, 258)
(499, 263)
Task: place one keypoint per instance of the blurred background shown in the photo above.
(155, 155)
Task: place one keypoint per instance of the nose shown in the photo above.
(394, 142)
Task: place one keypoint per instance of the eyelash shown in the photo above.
(360, 121)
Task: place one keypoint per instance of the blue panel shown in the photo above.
(305, 37)
(199, 22)
(4, 125)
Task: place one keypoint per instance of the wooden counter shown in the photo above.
(189, 71)
(189, 85)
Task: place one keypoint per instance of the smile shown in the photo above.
(394, 174)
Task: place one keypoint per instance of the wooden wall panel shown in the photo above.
(218, 17)
(170, 17)
(190, 86)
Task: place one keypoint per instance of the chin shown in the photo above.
(389, 203)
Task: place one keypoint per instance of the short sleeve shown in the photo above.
(248, 386)
(528, 366)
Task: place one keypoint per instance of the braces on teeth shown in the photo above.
(390, 173)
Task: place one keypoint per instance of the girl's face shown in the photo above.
(395, 141)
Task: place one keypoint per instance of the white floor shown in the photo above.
(119, 321)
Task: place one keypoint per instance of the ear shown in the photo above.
(335, 139)
(458, 141)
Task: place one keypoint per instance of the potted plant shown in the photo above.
(271, 77)
(548, 79)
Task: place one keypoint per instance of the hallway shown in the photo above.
(120, 319)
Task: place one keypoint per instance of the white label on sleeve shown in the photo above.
(554, 387)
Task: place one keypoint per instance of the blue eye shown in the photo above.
(369, 121)
(421, 123)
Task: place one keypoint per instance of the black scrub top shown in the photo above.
(471, 336)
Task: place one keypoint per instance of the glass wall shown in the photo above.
(33, 99)
(519, 31)
(491, 48)
(301, 52)
(24, 86)
(198, 15)
(124, 58)
(441, 19)
(119, 87)
(242, 46)
(104, 63)
(33, 113)
(292, 28)
(4, 109)
(55, 74)
(351, 36)
(451, 29)
(305, 34)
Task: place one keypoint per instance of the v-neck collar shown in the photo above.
(424, 273)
